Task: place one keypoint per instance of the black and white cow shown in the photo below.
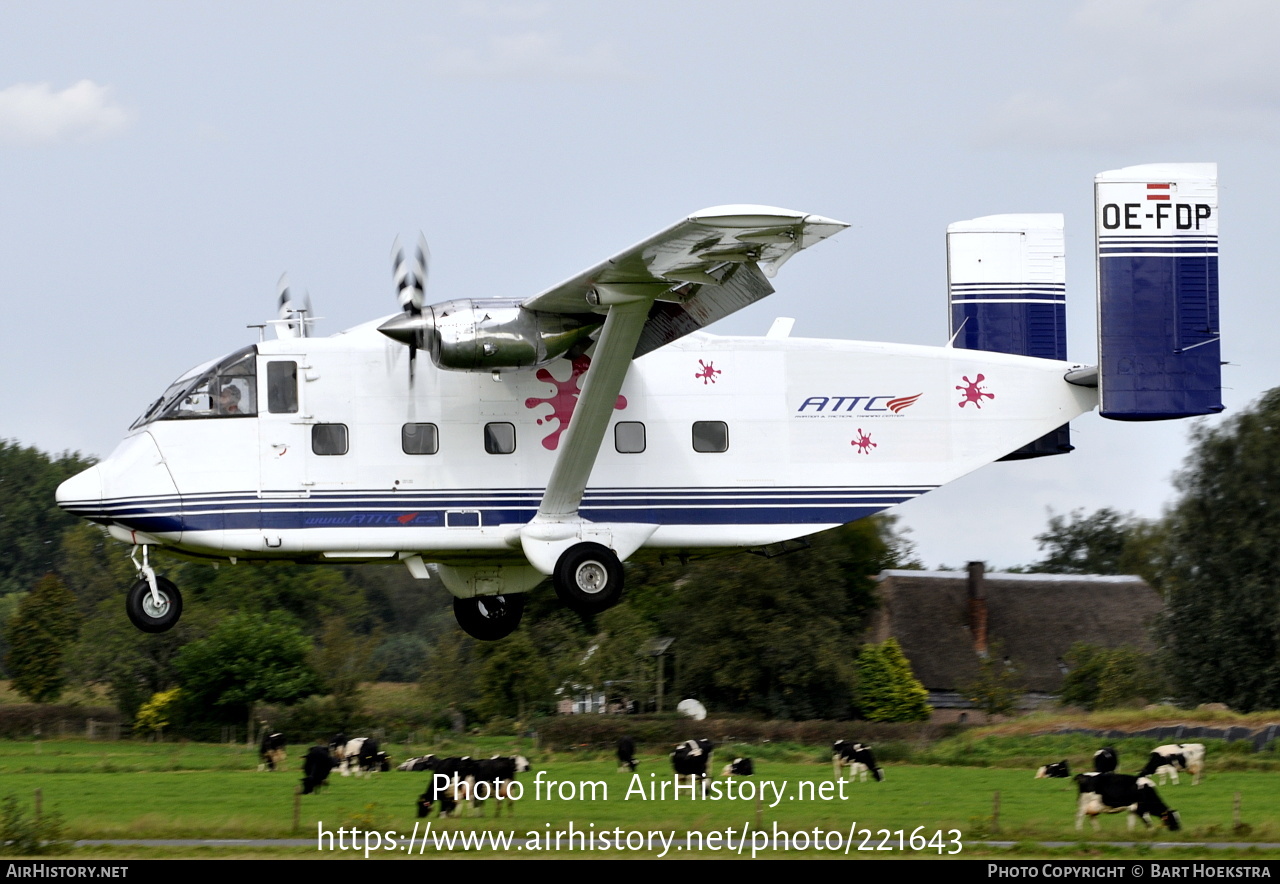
(627, 755)
(315, 768)
(857, 758)
(360, 756)
(455, 774)
(1165, 762)
(418, 763)
(1057, 770)
(1106, 760)
(271, 751)
(1116, 793)
(691, 759)
(496, 774)
(739, 767)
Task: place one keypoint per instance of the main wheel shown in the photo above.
(489, 617)
(146, 614)
(588, 578)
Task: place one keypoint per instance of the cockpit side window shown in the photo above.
(227, 389)
(282, 387)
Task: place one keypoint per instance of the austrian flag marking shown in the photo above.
(1158, 191)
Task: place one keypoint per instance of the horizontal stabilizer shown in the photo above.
(1158, 333)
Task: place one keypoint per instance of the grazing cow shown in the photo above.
(1106, 760)
(444, 795)
(360, 756)
(1117, 793)
(1165, 761)
(496, 774)
(1057, 770)
(449, 784)
(627, 754)
(739, 767)
(691, 759)
(315, 769)
(271, 751)
(418, 763)
(857, 758)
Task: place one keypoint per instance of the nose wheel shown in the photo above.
(158, 612)
(588, 578)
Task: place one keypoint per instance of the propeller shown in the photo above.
(411, 285)
(296, 319)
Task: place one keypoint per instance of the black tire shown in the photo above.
(588, 578)
(143, 612)
(489, 617)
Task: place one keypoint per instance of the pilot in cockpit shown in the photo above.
(229, 399)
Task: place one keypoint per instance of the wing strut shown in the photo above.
(557, 524)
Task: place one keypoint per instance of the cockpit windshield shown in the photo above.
(226, 388)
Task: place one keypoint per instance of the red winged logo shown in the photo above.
(896, 405)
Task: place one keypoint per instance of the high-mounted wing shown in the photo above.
(697, 271)
(701, 269)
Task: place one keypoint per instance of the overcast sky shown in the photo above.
(163, 163)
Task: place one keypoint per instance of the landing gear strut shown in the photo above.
(588, 578)
(153, 603)
(489, 617)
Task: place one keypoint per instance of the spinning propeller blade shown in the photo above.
(411, 283)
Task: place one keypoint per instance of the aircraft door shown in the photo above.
(284, 430)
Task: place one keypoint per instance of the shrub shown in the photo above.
(21, 835)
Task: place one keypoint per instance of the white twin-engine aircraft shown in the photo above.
(559, 435)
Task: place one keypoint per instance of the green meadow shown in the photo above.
(136, 790)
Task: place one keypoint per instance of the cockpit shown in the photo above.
(220, 389)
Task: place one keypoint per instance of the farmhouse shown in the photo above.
(948, 621)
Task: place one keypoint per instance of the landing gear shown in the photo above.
(489, 617)
(588, 578)
(149, 614)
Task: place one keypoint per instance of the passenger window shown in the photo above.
(282, 387)
(419, 439)
(628, 437)
(499, 438)
(710, 436)
(329, 439)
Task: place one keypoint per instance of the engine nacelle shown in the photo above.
(471, 335)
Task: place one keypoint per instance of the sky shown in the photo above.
(164, 163)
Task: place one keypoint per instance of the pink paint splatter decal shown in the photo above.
(707, 373)
(563, 401)
(863, 443)
(971, 391)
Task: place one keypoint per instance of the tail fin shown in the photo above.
(1158, 335)
(1006, 282)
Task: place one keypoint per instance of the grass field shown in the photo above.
(135, 790)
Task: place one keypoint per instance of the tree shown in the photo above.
(30, 522)
(345, 661)
(39, 635)
(779, 636)
(1085, 544)
(247, 659)
(513, 678)
(999, 683)
(887, 688)
(1106, 678)
(1222, 619)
